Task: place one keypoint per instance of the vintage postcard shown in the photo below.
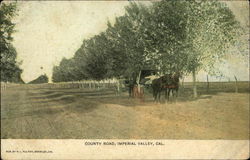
(165, 79)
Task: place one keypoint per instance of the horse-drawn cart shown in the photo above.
(142, 81)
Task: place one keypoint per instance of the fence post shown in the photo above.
(89, 85)
(207, 84)
(236, 84)
(118, 87)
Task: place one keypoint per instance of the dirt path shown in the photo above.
(75, 113)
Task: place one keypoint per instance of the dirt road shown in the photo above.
(82, 113)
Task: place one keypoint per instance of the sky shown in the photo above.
(47, 31)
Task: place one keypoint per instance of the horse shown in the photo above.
(158, 85)
(168, 82)
(172, 86)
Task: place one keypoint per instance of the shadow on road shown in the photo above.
(108, 96)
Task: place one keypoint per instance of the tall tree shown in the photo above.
(10, 70)
(188, 36)
(211, 30)
(163, 34)
(96, 57)
(129, 50)
(66, 71)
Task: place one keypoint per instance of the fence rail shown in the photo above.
(91, 84)
(117, 85)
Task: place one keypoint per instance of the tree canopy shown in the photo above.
(170, 36)
(10, 70)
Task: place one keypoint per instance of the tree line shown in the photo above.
(170, 36)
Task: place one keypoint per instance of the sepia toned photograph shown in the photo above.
(131, 70)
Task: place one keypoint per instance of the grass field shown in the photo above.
(51, 113)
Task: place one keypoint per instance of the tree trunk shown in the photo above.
(182, 83)
(194, 84)
(138, 82)
(236, 85)
(118, 87)
(207, 84)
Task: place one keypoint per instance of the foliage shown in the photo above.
(10, 70)
(163, 31)
(128, 41)
(96, 56)
(211, 30)
(183, 36)
(41, 79)
(67, 71)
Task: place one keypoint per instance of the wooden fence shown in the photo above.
(90, 84)
(118, 85)
(6, 85)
